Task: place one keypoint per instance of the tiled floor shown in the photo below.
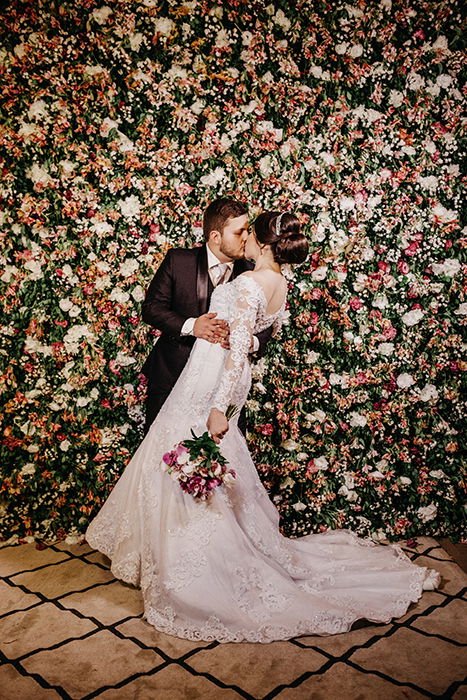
(68, 629)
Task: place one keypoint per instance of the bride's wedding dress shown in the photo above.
(220, 570)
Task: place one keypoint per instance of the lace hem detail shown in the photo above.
(321, 624)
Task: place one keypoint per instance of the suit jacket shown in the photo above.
(180, 289)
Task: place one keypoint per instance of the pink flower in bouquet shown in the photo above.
(170, 458)
(230, 477)
(216, 468)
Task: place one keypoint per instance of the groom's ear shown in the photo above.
(214, 236)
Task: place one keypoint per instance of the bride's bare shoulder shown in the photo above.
(259, 274)
(272, 283)
(256, 275)
(250, 274)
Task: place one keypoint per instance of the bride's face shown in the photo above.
(252, 249)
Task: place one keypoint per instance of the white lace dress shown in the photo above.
(221, 570)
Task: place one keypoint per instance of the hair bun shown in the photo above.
(291, 248)
(291, 245)
(282, 232)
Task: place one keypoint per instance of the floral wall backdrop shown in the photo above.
(121, 122)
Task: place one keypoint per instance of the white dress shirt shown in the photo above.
(213, 261)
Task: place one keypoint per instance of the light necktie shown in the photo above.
(220, 273)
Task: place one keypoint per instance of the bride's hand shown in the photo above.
(217, 425)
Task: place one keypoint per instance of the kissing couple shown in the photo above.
(220, 569)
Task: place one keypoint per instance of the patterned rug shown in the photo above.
(68, 629)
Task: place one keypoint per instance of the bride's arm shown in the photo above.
(241, 332)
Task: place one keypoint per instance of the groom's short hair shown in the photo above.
(219, 211)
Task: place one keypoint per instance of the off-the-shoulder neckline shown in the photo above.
(257, 284)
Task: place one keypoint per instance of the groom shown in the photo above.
(177, 299)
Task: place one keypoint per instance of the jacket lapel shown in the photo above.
(203, 282)
(204, 285)
(239, 267)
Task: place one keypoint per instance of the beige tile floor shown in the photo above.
(68, 629)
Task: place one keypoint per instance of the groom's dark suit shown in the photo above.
(180, 289)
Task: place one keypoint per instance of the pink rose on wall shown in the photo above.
(355, 304)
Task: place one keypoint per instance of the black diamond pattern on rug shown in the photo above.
(68, 629)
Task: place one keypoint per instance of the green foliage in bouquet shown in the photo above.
(204, 446)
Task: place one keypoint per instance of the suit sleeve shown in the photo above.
(157, 308)
(263, 339)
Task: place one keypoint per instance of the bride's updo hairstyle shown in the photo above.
(282, 233)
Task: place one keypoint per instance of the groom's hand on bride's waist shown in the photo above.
(212, 329)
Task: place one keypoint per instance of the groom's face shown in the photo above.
(231, 242)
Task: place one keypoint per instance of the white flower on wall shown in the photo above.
(102, 14)
(449, 267)
(429, 392)
(427, 513)
(130, 206)
(213, 178)
(405, 380)
(411, 318)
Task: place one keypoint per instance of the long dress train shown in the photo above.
(221, 570)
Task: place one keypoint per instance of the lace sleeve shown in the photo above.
(241, 331)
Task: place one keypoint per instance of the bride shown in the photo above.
(220, 569)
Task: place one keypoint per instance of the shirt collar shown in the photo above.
(214, 260)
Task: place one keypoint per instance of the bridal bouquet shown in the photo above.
(198, 465)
